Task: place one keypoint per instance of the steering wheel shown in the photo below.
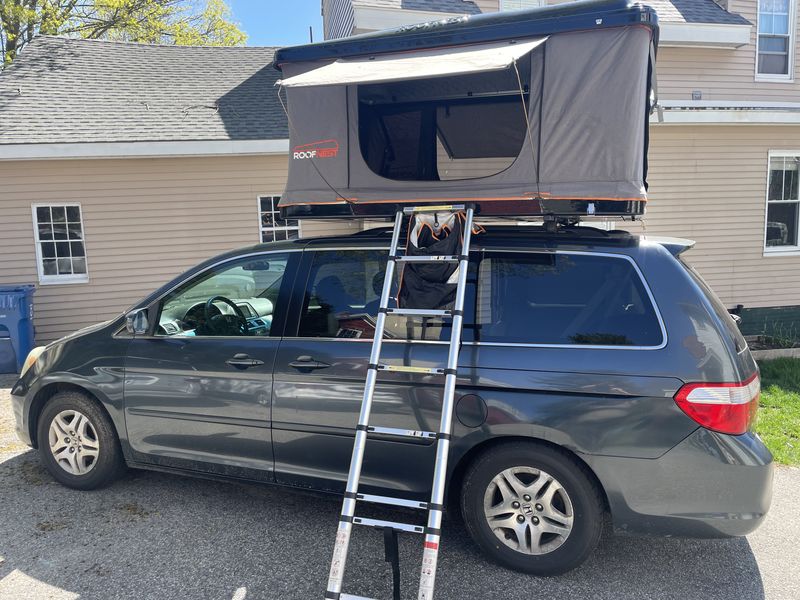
(235, 324)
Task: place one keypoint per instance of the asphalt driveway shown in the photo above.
(156, 536)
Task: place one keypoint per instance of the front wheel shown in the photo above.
(532, 508)
(78, 443)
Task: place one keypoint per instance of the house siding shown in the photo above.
(145, 221)
(709, 184)
(338, 18)
(723, 74)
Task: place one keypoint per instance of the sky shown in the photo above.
(277, 22)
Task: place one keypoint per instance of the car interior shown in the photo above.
(236, 300)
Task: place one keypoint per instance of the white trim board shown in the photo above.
(697, 115)
(703, 35)
(142, 149)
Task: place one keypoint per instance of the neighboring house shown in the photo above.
(121, 165)
(725, 144)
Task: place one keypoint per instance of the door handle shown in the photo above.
(243, 361)
(308, 363)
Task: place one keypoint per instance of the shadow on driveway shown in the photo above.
(159, 536)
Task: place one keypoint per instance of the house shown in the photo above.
(724, 146)
(121, 165)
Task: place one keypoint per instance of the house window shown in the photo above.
(520, 4)
(783, 203)
(273, 228)
(775, 38)
(60, 249)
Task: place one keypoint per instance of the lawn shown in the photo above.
(779, 415)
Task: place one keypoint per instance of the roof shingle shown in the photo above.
(694, 11)
(66, 90)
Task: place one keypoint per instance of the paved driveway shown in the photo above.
(154, 536)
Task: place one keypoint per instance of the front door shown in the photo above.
(198, 389)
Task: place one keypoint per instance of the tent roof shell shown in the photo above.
(573, 16)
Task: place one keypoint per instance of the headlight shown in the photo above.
(33, 356)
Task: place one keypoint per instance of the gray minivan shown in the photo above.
(598, 374)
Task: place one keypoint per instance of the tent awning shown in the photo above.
(417, 64)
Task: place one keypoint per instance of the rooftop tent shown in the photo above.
(532, 112)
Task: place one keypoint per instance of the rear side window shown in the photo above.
(719, 308)
(564, 299)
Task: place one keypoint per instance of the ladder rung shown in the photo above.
(419, 312)
(412, 433)
(433, 258)
(402, 369)
(351, 597)
(392, 501)
(388, 525)
(433, 208)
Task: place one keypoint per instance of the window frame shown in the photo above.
(261, 229)
(780, 250)
(57, 279)
(773, 77)
(304, 272)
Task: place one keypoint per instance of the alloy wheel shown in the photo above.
(73, 442)
(528, 510)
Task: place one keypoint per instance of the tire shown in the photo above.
(82, 449)
(552, 542)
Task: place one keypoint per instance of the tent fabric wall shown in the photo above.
(588, 96)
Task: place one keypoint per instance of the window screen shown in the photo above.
(564, 299)
(775, 38)
(457, 127)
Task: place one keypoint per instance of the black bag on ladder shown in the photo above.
(431, 284)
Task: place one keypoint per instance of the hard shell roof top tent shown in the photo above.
(535, 112)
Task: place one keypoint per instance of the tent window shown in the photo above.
(447, 128)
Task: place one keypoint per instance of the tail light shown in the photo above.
(723, 407)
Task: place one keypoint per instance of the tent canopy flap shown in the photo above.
(420, 64)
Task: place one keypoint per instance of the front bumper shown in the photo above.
(19, 408)
(709, 485)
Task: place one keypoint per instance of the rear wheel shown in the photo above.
(532, 508)
(78, 443)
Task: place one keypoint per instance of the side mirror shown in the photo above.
(136, 321)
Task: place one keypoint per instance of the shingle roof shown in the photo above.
(694, 11)
(66, 90)
(466, 7)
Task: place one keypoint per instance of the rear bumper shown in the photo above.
(709, 485)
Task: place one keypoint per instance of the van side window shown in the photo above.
(564, 299)
(237, 298)
(342, 298)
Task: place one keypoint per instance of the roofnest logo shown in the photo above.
(320, 149)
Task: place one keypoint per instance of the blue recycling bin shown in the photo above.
(16, 326)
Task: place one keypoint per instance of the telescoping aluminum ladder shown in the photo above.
(434, 508)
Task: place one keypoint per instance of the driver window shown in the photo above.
(237, 298)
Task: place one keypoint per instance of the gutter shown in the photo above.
(48, 151)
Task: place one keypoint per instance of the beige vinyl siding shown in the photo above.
(709, 184)
(723, 74)
(145, 221)
(337, 16)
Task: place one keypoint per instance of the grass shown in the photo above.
(779, 414)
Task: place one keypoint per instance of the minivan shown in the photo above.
(599, 375)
